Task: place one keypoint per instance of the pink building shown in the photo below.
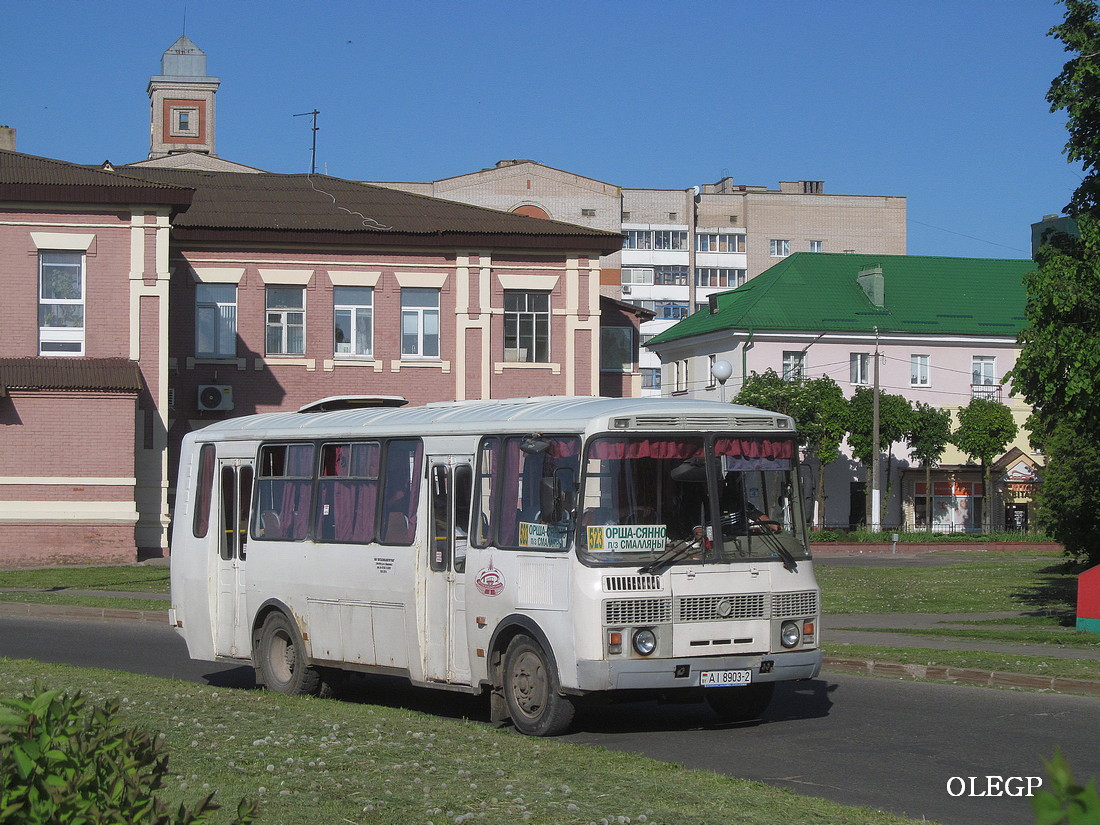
(945, 332)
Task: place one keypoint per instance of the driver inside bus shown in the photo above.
(739, 515)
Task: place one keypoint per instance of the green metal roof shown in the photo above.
(818, 292)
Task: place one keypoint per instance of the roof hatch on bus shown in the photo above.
(352, 402)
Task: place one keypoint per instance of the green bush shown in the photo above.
(1067, 803)
(63, 761)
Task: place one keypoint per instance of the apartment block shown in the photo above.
(682, 245)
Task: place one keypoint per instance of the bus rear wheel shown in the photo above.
(740, 704)
(531, 690)
(281, 658)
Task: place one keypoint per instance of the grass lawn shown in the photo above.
(324, 761)
(981, 583)
(134, 578)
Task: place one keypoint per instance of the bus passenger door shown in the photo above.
(231, 636)
(446, 656)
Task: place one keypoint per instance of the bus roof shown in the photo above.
(550, 414)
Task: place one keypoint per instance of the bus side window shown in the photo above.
(400, 491)
(488, 462)
(463, 501)
(284, 491)
(204, 492)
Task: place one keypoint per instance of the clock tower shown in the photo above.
(182, 103)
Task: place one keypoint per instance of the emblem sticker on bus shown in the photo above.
(489, 581)
(626, 537)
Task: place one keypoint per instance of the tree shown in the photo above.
(820, 412)
(1067, 498)
(928, 436)
(985, 429)
(1077, 91)
(768, 391)
(823, 422)
(1058, 370)
(894, 416)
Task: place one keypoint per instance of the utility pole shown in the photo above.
(876, 501)
(313, 156)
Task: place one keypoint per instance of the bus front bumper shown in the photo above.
(663, 674)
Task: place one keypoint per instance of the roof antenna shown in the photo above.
(313, 157)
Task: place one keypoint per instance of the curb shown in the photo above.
(61, 611)
(960, 676)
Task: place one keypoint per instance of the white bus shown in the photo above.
(543, 550)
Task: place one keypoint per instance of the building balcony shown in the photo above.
(991, 392)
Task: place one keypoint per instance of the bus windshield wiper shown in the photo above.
(776, 546)
(673, 554)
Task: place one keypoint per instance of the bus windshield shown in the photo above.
(725, 497)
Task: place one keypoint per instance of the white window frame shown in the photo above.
(222, 314)
(710, 276)
(779, 248)
(794, 365)
(720, 242)
(359, 312)
(285, 320)
(636, 275)
(859, 368)
(670, 239)
(680, 375)
(920, 371)
(526, 329)
(817, 246)
(418, 339)
(71, 336)
(671, 275)
(983, 370)
(176, 127)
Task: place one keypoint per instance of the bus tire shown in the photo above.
(740, 704)
(532, 692)
(281, 658)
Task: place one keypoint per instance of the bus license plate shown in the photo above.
(724, 678)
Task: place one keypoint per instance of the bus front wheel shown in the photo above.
(531, 690)
(281, 658)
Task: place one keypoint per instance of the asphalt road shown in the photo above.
(892, 745)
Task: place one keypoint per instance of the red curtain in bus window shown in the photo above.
(348, 492)
(617, 449)
(768, 448)
(296, 492)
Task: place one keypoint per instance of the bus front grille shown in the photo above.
(637, 611)
(794, 605)
(619, 584)
(717, 608)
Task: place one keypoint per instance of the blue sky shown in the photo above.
(942, 102)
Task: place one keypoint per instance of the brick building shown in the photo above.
(83, 381)
(144, 302)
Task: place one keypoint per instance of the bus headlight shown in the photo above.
(790, 634)
(644, 641)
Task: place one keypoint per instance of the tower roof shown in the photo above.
(183, 59)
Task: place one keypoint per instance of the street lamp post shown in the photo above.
(722, 370)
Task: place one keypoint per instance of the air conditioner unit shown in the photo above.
(215, 397)
(626, 289)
